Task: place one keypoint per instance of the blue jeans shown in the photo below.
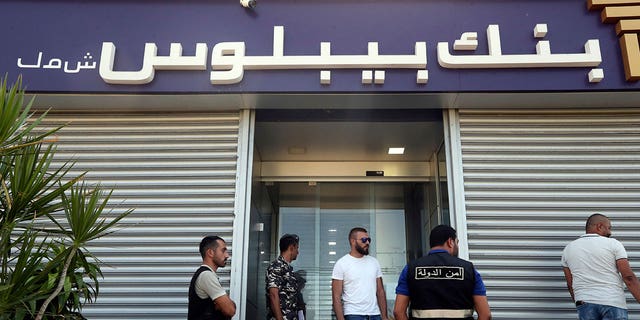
(361, 317)
(592, 311)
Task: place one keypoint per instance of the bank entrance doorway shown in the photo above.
(318, 179)
(322, 215)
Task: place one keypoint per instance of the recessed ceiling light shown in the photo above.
(297, 150)
(396, 150)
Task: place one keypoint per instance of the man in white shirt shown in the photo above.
(356, 286)
(595, 267)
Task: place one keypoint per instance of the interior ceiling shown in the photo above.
(347, 140)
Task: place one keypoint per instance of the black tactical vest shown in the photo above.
(201, 309)
(443, 282)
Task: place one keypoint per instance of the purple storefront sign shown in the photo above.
(57, 45)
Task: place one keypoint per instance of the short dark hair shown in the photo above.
(288, 240)
(355, 230)
(440, 234)
(209, 242)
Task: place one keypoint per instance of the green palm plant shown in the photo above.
(21, 288)
(47, 218)
(83, 210)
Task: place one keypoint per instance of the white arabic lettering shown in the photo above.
(495, 59)
(37, 65)
(56, 63)
(151, 62)
(229, 60)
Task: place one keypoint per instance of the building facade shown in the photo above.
(518, 118)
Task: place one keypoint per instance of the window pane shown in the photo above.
(323, 215)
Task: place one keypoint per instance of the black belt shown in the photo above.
(579, 303)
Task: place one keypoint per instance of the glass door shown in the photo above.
(322, 215)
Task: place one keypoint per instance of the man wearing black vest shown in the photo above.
(207, 299)
(440, 285)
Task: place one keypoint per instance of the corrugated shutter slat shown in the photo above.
(531, 178)
(178, 170)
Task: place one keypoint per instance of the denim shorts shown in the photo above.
(592, 311)
(361, 317)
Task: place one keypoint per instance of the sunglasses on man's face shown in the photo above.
(365, 240)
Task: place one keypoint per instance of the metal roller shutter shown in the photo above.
(179, 173)
(531, 177)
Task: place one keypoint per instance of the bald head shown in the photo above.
(600, 224)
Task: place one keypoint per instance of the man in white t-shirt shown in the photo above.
(595, 267)
(356, 284)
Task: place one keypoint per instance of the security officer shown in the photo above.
(441, 285)
(282, 288)
(207, 299)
